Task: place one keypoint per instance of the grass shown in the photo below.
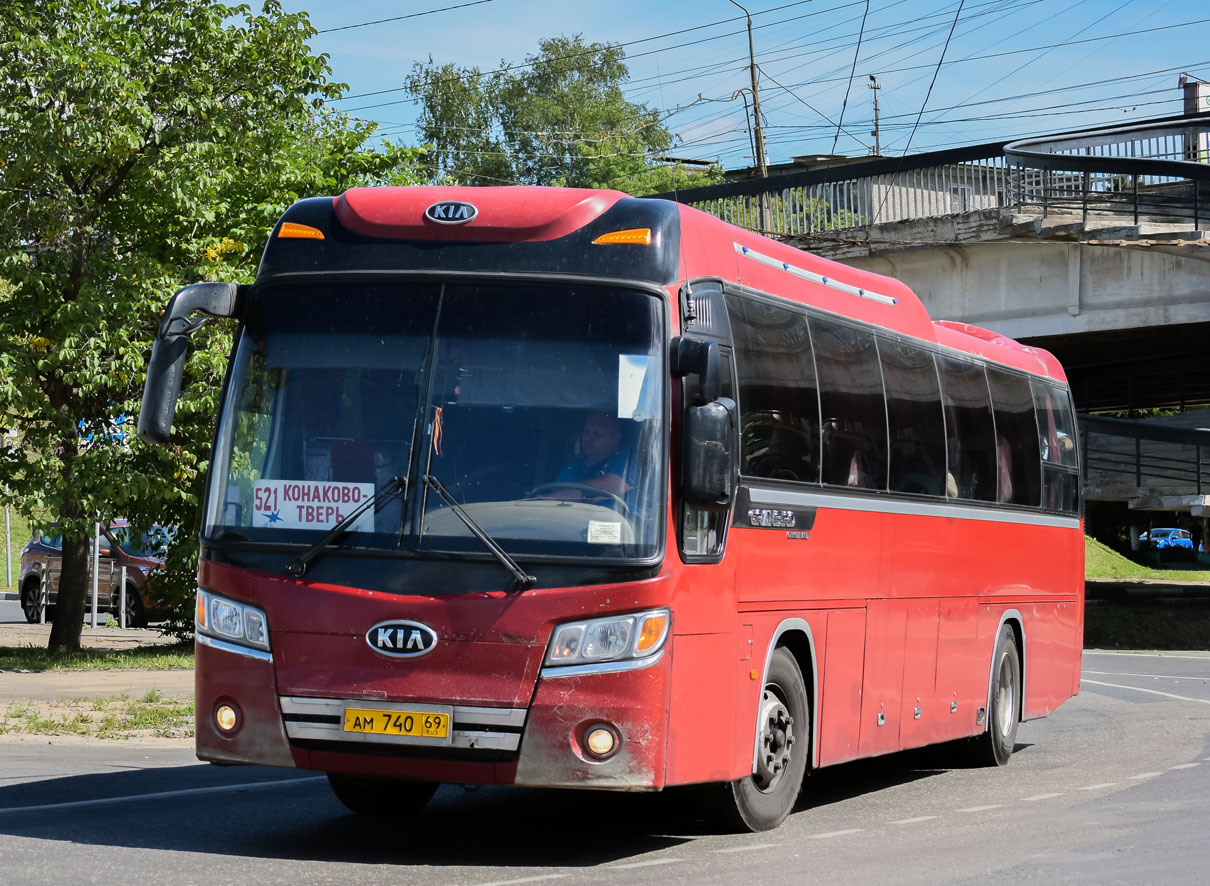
(1101, 562)
(177, 656)
(113, 717)
(18, 536)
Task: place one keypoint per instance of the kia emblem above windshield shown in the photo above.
(451, 212)
(401, 638)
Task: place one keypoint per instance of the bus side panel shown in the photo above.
(922, 712)
(839, 705)
(882, 693)
(704, 716)
(961, 677)
(1050, 635)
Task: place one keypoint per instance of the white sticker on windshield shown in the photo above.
(290, 504)
(601, 532)
(632, 372)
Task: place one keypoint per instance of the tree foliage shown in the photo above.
(559, 119)
(144, 144)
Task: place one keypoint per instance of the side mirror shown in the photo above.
(167, 365)
(691, 356)
(708, 461)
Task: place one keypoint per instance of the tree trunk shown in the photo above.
(73, 594)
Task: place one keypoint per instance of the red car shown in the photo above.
(141, 554)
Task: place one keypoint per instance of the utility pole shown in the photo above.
(762, 164)
(877, 152)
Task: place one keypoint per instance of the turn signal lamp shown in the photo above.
(631, 237)
(199, 613)
(651, 632)
(295, 231)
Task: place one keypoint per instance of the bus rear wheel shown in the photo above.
(762, 801)
(995, 746)
(381, 797)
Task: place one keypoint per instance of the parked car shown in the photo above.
(141, 554)
(1168, 538)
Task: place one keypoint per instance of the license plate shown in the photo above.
(417, 724)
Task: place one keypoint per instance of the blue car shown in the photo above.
(1168, 538)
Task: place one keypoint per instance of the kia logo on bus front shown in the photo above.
(451, 212)
(401, 639)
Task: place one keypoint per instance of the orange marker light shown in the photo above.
(200, 612)
(651, 632)
(631, 236)
(292, 230)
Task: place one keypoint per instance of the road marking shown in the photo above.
(1034, 799)
(1184, 765)
(835, 834)
(642, 864)
(747, 848)
(1097, 787)
(1148, 655)
(1144, 775)
(982, 808)
(1148, 676)
(914, 820)
(165, 795)
(524, 880)
(1148, 691)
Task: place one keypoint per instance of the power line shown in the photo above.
(399, 18)
(852, 71)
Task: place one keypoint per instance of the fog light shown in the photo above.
(226, 718)
(601, 741)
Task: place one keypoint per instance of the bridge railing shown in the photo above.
(1144, 455)
(1156, 169)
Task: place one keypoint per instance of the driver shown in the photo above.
(600, 463)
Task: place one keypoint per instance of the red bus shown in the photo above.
(523, 486)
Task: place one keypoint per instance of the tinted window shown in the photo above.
(851, 406)
(916, 426)
(1018, 465)
(1057, 443)
(779, 419)
(970, 437)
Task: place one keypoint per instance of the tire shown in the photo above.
(381, 797)
(762, 801)
(136, 615)
(29, 601)
(995, 746)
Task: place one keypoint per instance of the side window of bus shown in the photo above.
(779, 419)
(1018, 463)
(1057, 442)
(969, 433)
(851, 404)
(916, 427)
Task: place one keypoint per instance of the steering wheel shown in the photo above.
(589, 491)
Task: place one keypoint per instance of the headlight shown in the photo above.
(228, 620)
(638, 635)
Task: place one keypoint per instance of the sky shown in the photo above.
(951, 72)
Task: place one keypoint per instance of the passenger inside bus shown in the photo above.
(602, 461)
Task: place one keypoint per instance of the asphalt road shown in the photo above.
(1113, 788)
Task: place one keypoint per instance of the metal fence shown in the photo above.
(1158, 169)
(1119, 453)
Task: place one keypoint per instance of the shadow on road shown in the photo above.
(256, 812)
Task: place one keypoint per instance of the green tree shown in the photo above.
(144, 144)
(559, 119)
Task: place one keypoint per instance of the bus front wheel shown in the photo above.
(762, 801)
(995, 746)
(381, 797)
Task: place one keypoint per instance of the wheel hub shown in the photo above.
(776, 740)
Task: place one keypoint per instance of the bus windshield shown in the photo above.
(538, 407)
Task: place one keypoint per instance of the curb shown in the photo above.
(10, 596)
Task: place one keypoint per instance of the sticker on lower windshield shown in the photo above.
(293, 504)
(602, 532)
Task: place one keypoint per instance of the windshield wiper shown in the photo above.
(394, 486)
(521, 580)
